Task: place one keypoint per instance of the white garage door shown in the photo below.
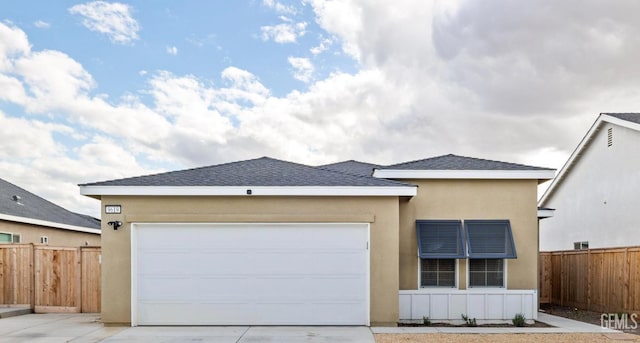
(250, 274)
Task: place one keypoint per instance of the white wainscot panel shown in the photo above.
(483, 305)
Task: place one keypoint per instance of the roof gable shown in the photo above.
(17, 204)
(628, 120)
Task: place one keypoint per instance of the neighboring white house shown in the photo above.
(596, 195)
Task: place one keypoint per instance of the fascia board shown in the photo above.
(48, 224)
(243, 191)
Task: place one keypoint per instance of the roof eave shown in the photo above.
(539, 174)
(95, 191)
(46, 223)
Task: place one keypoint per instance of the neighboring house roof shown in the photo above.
(631, 117)
(462, 167)
(262, 176)
(352, 167)
(628, 120)
(20, 205)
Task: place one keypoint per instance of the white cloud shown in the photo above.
(523, 87)
(283, 33)
(279, 7)
(41, 24)
(115, 20)
(172, 50)
(303, 68)
(324, 45)
(13, 42)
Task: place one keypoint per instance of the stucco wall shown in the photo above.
(474, 199)
(598, 199)
(57, 237)
(381, 211)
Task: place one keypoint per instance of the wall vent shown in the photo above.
(609, 137)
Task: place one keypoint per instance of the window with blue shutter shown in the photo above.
(440, 239)
(489, 239)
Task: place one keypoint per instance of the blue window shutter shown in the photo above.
(490, 239)
(440, 239)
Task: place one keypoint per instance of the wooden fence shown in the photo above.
(600, 280)
(50, 279)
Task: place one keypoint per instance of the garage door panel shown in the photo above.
(243, 274)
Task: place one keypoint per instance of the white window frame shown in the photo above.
(455, 271)
(504, 275)
(44, 240)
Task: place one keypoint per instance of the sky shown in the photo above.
(99, 90)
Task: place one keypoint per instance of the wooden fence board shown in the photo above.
(50, 279)
(91, 284)
(600, 280)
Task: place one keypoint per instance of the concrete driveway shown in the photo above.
(86, 328)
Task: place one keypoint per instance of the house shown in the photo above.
(270, 242)
(28, 218)
(596, 194)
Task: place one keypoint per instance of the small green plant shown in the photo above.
(426, 321)
(469, 321)
(519, 320)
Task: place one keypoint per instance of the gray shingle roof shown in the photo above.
(632, 117)
(454, 162)
(352, 167)
(28, 205)
(263, 171)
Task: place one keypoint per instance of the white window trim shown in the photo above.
(504, 275)
(456, 273)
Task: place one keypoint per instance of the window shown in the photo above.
(6, 237)
(490, 239)
(440, 239)
(488, 243)
(437, 272)
(44, 240)
(15, 238)
(486, 272)
(581, 245)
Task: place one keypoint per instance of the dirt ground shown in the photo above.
(498, 338)
(567, 312)
(586, 316)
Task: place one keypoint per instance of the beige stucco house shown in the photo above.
(269, 242)
(28, 218)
